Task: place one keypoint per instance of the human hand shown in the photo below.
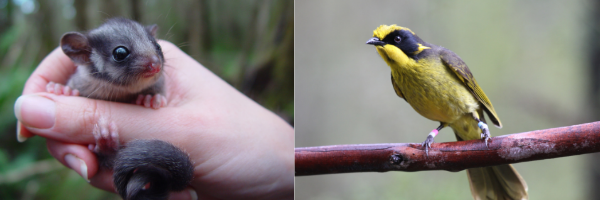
(240, 150)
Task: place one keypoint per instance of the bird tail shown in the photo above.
(501, 182)
(497, 182)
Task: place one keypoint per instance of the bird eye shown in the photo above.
(397, 39)
(120, 53)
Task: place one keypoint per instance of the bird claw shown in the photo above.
(485, 135)
(485, 132)
(427, 144)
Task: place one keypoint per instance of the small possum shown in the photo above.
(118, 61)
(121, 61)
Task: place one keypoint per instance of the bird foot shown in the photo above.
(427, 144)
(485, 132)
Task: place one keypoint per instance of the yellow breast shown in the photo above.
(432, 89)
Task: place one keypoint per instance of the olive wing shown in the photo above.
(451, 60)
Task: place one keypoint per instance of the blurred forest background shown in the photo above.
(248, 43)
(537, 61)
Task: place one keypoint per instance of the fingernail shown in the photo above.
(20, 137)
(35, 111)
(78, 165)
(193, 194)
(188, 193)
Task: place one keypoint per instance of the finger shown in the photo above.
(206, 197)
(72, 119)
(83, 161)
(103, 180)
(22, 132)
(74, 156)
(187, 194)
(56, 67)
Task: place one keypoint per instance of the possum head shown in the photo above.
(120, 51)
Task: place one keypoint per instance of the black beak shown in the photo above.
(375, 41)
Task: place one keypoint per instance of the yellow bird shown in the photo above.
(440, 87)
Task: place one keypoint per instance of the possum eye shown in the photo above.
(120, 53)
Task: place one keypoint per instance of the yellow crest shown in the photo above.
(384, 30)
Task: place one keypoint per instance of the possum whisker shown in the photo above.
(183, 44)
(107, 15)
(170, 29)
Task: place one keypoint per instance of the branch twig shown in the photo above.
(450, 156)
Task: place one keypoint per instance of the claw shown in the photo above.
(485, 135)
(485, 132)
(427, 144)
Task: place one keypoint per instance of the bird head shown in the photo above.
(397, 43)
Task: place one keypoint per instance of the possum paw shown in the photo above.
(152, 101)
(60, 89)
(106, 136)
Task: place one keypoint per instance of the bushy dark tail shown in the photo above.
(150, 169)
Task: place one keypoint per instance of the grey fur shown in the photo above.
(159, 163)
(99, 76)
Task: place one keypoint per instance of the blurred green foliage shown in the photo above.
(247, 43)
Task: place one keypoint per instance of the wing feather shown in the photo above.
(451, 60)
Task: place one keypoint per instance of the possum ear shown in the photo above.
(152, 29)
(76, 46)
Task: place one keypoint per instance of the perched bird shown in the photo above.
(440, 87)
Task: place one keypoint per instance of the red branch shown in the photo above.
(450, 156)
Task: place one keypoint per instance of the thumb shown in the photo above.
(187, 194)
(71, 119)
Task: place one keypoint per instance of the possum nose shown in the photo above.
(153, 66)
